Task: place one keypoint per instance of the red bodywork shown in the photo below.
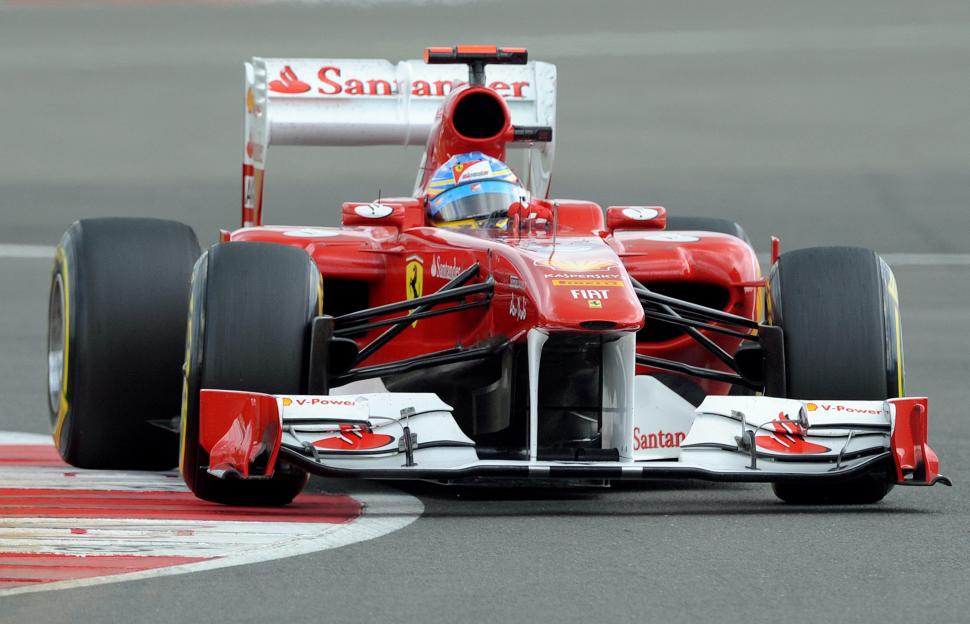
(915, 462)
(552, 287)
(563, 282)
(247, 425)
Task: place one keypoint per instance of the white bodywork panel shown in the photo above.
(662, 419)
(619, 394)
(535, 340)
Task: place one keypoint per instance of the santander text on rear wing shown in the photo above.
(376, 102)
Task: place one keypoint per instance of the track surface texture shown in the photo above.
(824, 122)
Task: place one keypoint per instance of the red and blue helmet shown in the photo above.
(470, 186)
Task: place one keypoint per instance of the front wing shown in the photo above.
(414, 436)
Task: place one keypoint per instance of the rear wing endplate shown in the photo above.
(376, 102)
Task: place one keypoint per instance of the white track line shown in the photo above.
(915, 259)
(26, 252)
(43, 252)
(898, 260)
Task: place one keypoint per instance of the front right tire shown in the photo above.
(839, 309)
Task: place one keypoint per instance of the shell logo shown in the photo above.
(811, 407)
(287, 401)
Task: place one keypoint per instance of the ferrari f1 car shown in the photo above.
(543, 340)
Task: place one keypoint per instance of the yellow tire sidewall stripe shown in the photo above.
(63, 407)
(186, 371)
(893, 291)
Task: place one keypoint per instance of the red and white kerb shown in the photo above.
(63, 527)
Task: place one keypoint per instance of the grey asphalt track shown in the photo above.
(824, 122)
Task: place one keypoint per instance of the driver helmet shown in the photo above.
(472, 186)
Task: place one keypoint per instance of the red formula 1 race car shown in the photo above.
(477, 331)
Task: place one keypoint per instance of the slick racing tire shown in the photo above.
(839, 310)
(708, 224)
(116, 325)
(249, 320)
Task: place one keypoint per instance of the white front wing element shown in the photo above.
(729, 438)
(799, 435)
(369, 424)
(662, 419)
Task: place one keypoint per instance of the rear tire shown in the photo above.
(115, 329)
(839, 311)
(249, 320)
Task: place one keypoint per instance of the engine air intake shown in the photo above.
(480, 115)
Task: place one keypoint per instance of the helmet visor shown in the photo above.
(475, 200)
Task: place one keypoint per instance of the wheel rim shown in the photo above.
(55, 344)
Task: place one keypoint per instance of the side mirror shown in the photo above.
(636, 218)
(399, 213)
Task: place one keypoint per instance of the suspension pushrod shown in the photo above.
(448, 356)
(364, 327)
(681, 320)
(698, 337)
(448, 292)
(696, 371)
(687, 314)
(703, 311)
(452, 287)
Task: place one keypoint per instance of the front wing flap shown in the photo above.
(415, 436)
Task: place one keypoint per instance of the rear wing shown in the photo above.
(376, 102)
